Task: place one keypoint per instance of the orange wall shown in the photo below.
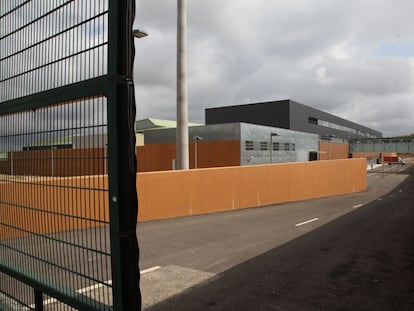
(332, 151)
(158, 157)
(174, 193)
(368, 155)
(183, 193)
(66, 162)
(155, 157)
(4, 166)
(46, 205)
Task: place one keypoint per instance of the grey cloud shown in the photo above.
(325, 54)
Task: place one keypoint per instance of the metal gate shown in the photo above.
(68, 199)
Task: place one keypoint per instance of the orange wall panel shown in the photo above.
(311, 185)
(159, 157)
(212, 187)
(333, 151)
(40, 206)
(166, 194)
(211, 190)
(65, 162)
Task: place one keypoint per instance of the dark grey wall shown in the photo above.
(299, 121)
(274, 114)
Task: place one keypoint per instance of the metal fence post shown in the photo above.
(121, 158)
(38, 297)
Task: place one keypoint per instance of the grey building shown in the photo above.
(258, 144)
(289, 114)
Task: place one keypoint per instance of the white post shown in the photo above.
(182, 91)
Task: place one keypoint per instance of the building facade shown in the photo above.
(235, 144)
(291, 115)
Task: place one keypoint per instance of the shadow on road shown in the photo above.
(361, 261)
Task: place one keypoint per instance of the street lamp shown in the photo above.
(271, 145)
(196, 138)
(137, 33)
(249, 159)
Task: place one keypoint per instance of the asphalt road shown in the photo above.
(352, 252)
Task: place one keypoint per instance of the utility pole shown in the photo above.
(182, 90)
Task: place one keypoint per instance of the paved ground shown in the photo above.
(352, 252)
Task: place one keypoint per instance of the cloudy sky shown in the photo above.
(353, 58)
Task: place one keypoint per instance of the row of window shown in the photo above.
(316, 121)
(276, 146)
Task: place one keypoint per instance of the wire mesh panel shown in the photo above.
(60, 235)
(53, 196)
(12, 294)
(48, 44)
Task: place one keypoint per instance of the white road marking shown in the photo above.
(306, 222)
(45, 302)
(94, 287)
(150, 270)
(379, 199)
(358, 205)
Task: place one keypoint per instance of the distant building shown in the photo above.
(236, 144)
(291, 115)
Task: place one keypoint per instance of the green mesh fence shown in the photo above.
(60, 78)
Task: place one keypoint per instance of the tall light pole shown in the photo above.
(182, 91)
(196, 139)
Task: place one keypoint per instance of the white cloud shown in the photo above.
(351, 58)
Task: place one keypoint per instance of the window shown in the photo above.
(287, 146)
(312, 120)
(249, 145)
(263, 145)
(276, 147)
(334, 126)
(293, 147)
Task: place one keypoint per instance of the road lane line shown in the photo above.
(150, 270)
(45, 302)
(358, 205)
(306, 222)
(93, 287)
